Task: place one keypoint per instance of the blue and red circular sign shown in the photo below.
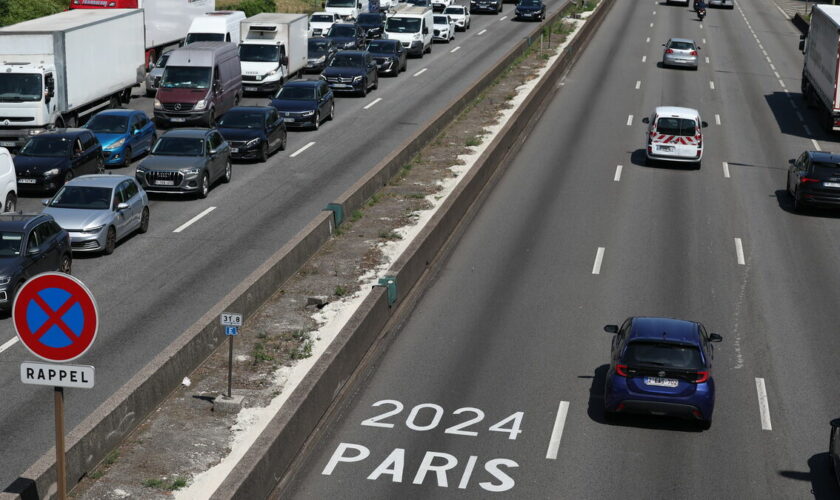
(55, 317)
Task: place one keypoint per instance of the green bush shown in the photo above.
(250, 7)
(15, 11)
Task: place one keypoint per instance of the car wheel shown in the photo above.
(228, 172)
(126, 156)
(263, 157)
(11, 203)
(110, 241)
(283, 143)
(205, 186)
(332, 112)
(364, 90)
(316, 123)
(144, 221)
(65, 265)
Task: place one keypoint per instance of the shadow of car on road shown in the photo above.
(820, 474)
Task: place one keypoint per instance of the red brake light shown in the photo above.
(694, 52)
(669, 51)
(702, 377)
(808, 179)
(621, 370)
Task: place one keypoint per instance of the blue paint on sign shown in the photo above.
(72, 319)
(231, 330)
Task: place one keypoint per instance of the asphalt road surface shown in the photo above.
(157, 284)
(494, 385)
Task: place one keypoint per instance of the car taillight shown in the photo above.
(805, 180)
(701, 377)
(669, 51)
(694, 52)
(621, 370)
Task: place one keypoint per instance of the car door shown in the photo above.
(132, 196)
(91, 152)
(44, 239)
(370, 66)
(122, 217)
(795, 170)
(218, 157)
(272, 129)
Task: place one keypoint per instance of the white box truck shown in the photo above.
(820, 75)
(57, 70)
(272, 49)
(167, 21)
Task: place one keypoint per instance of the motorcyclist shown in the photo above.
(699, 4)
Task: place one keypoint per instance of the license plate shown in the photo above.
(831, 184)
(340, 85)
(7, 144)
(234, 150)
(661, 382)
(250, 89)
(179, 120)
(26, 181)
(165, 183)
(666, 148)
(287, 120)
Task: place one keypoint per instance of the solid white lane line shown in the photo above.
(763, 406)
(630, 120)
(481, 32)
(8, 344)
(717, 119)
(711, 85)
(194, 219)
(456, 49)
(617, 173)
(644, 58)
(726, 170)
(739, 251)
(807, 129)
(816, 144)
(372, 103)
(780, 10)
(638, 84)
(707, 59)
(599, 257)
(557, 431)
(301, 150)
(502, 18)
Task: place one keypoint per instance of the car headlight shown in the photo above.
(323, 77)
(140, 169)
(252, 143)
(36, 131)
(4, 280)
(201, 105)
(94, 229)
(321, 59)
(115, 144)
(158, 104)
(259, 77)
(349, 44)
(191, 171)
(307, 113)
(357, 79)
(271, 73)
(51, 172)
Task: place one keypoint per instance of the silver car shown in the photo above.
(729, 4)
(680, 52)
(99, 210)
(155, 74)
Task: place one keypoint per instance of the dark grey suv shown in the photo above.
(186, 161)
(30, 245)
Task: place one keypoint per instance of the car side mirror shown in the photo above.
(714, 337)
(214, 152)
(704, 124)
(791, 161)
(122, 206)
(426, 30)
(135, 131)
(45, 202)
(646, 120)
(33, 251)
(611, 328)
(151, 66)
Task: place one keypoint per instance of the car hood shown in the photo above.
(344, 71)
(389, 55)
(108, 139)
(342, 39)
(525, 8)
(440, 26)
(10, 266)
(77, 218)
(292, 105)
(29, 165)
(181, 95)
(240, 134)
(166, 162)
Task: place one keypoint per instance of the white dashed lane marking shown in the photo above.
(194, 219)
(421, 72)
(726, 170)
(8, 344)
(630, 120)
(739, 251)
(557, 431)
(617, 176)
(599, 258)
(301, 150)
(373, 103)
(763, 405)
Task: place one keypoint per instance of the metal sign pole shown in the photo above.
(59, 443)
(230, 365)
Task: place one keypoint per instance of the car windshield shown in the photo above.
(341, 3)
(823, 169)
(318, 47)
(403, 25)
(161, 63)
(321, 18)
(179, 146)
(46, 146)
(186, 77)
(441, 20)
(108, 124)
(242, 119)
(344, 31)
(381, 46)
(296, 93)
(204, 37)
(458, 11)
(680, 45)
(369, 19)
(19, 87)
(676, 126)
(664, 354)
(259, 53)
(348, 61)
(10, 243)
(420, 3)
(82, 197)
(529, 3)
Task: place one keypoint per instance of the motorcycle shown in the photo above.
(701, 13)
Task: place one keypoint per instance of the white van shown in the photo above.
(674, 134)
(412, 26)
(8, 181)
(217, 26)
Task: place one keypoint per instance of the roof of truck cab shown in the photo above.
(67, 21)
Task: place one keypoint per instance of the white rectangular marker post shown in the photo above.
(57, 375)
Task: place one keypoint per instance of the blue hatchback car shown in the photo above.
(125, 134)
(661, 366)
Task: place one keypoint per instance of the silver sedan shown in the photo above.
(99, 210)
(680, 52)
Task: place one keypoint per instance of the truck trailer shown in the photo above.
(57, 70)
(821, 71)
(272, 49)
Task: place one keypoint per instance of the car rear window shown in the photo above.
(681, 46)
(663, 354)
(676, 126)
(823, 169)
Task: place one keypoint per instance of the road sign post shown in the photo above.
(231, 322)
(55, 317)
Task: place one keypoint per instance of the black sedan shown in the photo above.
(389, 56)
(347, 36)
(492, 6)
(321, 52)
(352, 71)
(373, 23)
(253, 132)
(814, 179)
(529, 10)
(50, 159)
(305, 103)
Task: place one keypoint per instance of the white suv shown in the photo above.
(8, 181)
(321, 22)
(674, 134)
(459, 14)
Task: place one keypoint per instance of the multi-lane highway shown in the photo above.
(495, 382)
(157, 284)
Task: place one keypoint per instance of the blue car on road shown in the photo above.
(661, 366)
(124, 134)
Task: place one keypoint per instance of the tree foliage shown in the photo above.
(15, 11)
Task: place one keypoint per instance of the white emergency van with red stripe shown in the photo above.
(674, 134)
